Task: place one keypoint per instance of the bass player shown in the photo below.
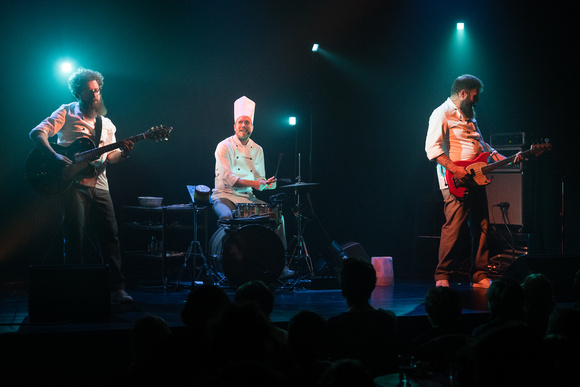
(453, 136)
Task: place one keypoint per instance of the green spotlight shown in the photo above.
(292, 121)
(315, 47)
(460, 26)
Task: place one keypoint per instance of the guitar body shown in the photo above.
(50, 178)
(476, 176)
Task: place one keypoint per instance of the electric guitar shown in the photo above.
(51, 178)
(478, 168)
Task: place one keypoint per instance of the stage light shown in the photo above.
(292, 121)
(315, 47)
(66, 67)
(460, 26)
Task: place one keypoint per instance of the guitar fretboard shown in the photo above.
(94, 154)
(488, 168)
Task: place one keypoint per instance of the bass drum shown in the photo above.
(251, 252)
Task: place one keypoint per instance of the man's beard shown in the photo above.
(93, 109)
(468, 109)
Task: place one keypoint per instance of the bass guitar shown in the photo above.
(51, 178)
(478, 168)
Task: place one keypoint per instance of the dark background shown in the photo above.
(363, 102)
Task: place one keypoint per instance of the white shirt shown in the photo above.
(69, 123)
(234, 161)
(452, 133)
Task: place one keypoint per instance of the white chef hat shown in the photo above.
(244, 107)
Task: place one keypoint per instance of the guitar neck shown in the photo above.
(95, 153)
(508, 160)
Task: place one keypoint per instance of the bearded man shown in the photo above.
(87, 202)
(453, 136)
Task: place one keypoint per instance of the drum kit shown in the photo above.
(247, 246)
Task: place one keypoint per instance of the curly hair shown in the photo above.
(79, 79)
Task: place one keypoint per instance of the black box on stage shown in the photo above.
(69, 293)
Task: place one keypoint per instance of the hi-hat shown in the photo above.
(299, 184)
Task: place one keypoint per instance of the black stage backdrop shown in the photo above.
(362, 104)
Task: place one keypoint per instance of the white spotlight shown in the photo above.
(292, 121)
(66, 67)
(460, 26)
(315, 47)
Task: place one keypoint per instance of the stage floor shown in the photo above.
(405, 298)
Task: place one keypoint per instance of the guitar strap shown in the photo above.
(98, 130)
(92, 181)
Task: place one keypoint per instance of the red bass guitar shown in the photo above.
(478, 168)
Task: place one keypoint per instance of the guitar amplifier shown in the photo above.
(508, 140)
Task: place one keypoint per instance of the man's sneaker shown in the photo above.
(286, 273)
(121, 296)
(442, 283)
(483, 284)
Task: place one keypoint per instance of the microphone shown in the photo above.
(502, 205)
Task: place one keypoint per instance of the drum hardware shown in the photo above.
(196, 251)
(300, 252)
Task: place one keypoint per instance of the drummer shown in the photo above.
(239, 167)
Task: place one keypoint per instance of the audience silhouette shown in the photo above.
(439, 346)
(257, 292)
(306, 359)
(362, 332)
(150, 338)
(505, 300)
(223, 341)
(538, 301)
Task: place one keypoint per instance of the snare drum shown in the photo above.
(256, 210)
(251, 252)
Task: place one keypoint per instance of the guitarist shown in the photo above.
(88, 200)
(452, 136)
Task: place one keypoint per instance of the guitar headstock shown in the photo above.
(158, 133)
(539, 148)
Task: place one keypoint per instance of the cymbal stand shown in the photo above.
(300, 249)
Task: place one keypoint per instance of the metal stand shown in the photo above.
(196, 251)
(300, 251)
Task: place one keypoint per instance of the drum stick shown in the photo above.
(278, 166)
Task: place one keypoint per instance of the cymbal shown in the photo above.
(299, 185)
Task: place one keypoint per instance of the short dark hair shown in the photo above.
(79, 79)
(258, 292)
(443, 305)
(358, 279)
(466, 82)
